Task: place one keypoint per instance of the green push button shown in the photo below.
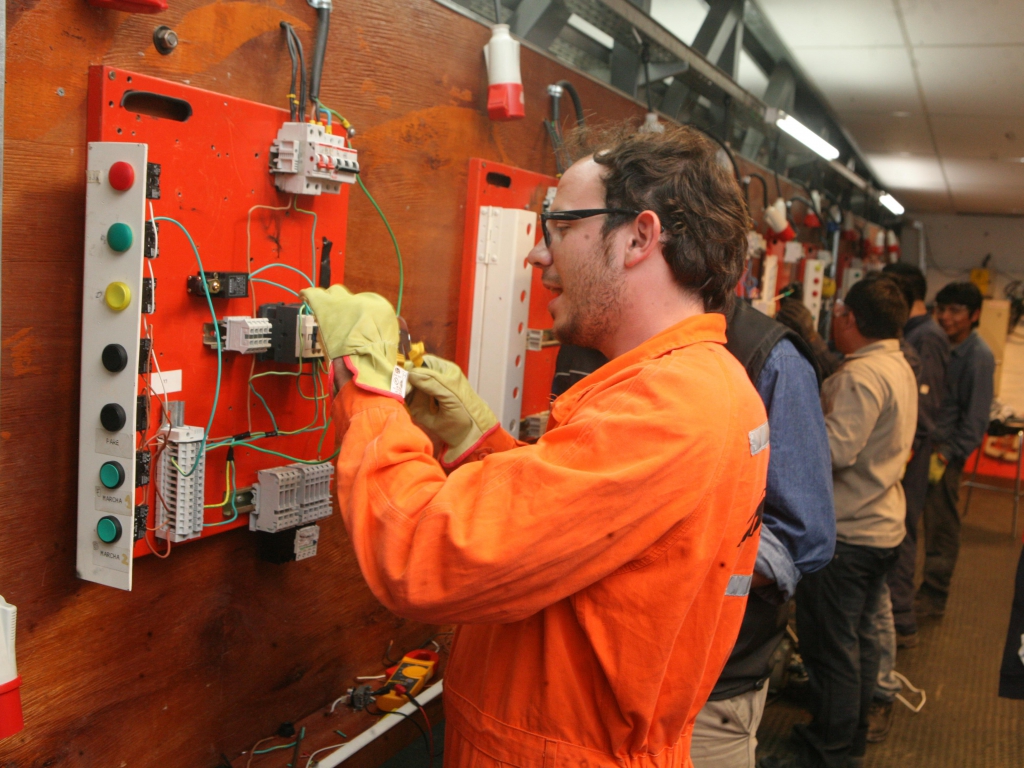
(112, 474)
(119, 237)
(108, 529)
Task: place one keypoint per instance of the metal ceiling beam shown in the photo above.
(658, 34)
(539, 21)
(720, 37)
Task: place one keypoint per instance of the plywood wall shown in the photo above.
(213, 649)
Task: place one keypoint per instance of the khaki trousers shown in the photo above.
(725, 734)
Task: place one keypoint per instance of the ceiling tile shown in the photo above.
(984, 174)
(988, 201)
(973, 81)
(832, 23)
(962, 22)
(862, 79)
(896, 172)
(881, 133)
(979, 137)
(920, 201)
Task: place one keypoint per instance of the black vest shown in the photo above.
(751, 336)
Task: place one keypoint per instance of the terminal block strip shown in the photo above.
(179, 505)
(289, 496)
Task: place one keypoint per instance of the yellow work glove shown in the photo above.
(363, 329)
(936, 468)
(444, 403)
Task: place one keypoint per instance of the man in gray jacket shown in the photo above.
(959, 430)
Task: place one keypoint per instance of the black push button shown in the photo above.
(112, 417)
(115, 358)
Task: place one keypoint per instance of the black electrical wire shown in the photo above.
(764, 186)
(295, 68)
(645, 57)
(293, 35)
(423, 733)
(778, 186)
(724, 146)
(577, 105)
(323, 16)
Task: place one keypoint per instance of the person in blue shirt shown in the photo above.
(959, 429)
(798, 522)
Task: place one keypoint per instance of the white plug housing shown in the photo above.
(179, 505)
(307, 160)
(307, 338)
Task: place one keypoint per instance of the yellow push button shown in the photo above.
(118, 296)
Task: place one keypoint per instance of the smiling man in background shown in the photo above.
(959, 430)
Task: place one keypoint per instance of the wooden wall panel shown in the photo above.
(213, 648)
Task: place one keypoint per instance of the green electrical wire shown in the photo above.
(232, 494)
(276, 285)
(273, 749)
(394, 240)
(220, 351)
(312, 237)
(282, 266)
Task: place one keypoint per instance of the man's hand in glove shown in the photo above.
(444, 404)
(362, 331)
(936, 468)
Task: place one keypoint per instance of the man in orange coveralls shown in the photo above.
(600, 575)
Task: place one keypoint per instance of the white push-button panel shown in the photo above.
(115, 203)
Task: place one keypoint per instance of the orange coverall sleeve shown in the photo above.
(499, 539)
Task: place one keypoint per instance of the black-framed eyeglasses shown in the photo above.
(585, 213)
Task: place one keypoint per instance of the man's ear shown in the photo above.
(644, 238)
(975, 316)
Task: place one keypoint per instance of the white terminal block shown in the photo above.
(247, 335)
(289, 496)
(115, 201)
(179, 505)
(306, 539)
(814, 280)
(307, 338)
(307, 160)
(501, 310)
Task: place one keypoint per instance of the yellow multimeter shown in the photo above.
(412, 674)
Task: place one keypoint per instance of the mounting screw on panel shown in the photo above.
(165, 39)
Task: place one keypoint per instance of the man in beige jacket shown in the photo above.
(870, 407)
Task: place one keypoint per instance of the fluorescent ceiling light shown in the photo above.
(806, 136)
(891, 203)
(597, 35)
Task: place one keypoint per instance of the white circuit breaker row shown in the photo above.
(289, 496)
(307, 160)
(501, 310)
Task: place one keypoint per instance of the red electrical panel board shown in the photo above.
(495, 184)
(212, 152)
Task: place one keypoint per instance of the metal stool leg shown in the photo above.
(974, 476)
(1016, 483)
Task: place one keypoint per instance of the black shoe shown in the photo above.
(906, 641)
(879, 721)
(925, 605)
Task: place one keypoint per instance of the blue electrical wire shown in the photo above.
(282, 266)
(276, 285)
(220, 351)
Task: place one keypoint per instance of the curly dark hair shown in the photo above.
(677, 175)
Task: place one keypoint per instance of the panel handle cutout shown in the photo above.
(156, 105)
(499, 180)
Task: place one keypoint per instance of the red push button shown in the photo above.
(121, 176)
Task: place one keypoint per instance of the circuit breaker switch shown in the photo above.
(112, 475)
(307, 160)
